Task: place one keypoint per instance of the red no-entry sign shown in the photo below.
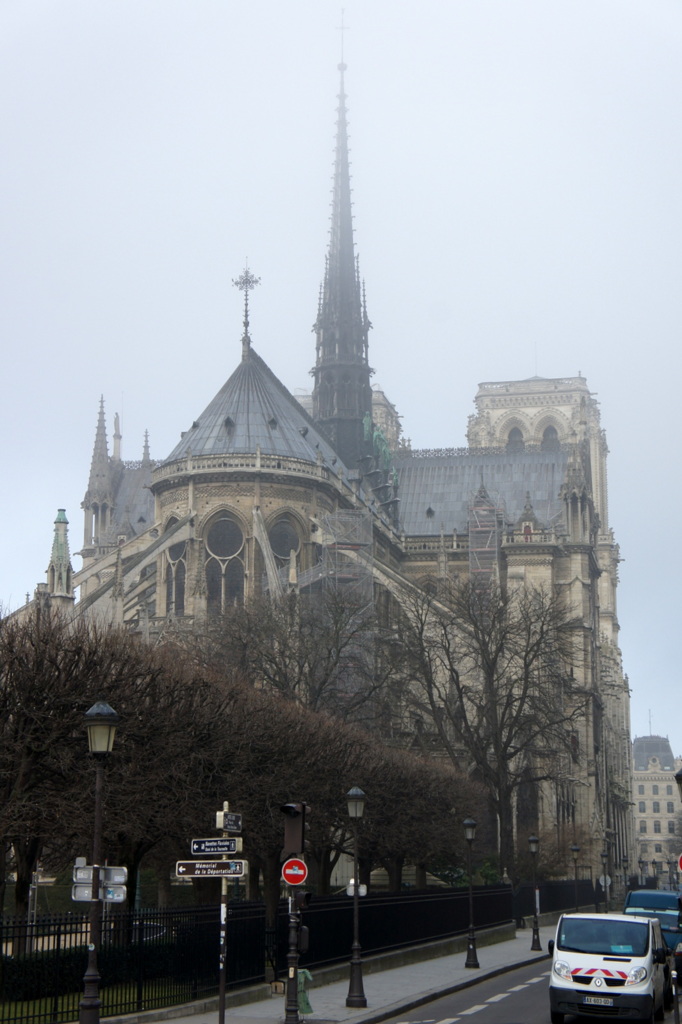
(679, 863)
(294, 871)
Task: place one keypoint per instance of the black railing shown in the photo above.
(146, 961)
(390, 921)
(157, 958)
(554, 896)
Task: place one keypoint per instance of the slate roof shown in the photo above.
(644, 747)
(133, 510)
(254, 409)
(446, 484)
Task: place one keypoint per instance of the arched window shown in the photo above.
(176, 573)
(284, 539)
(515, 442)
(550, 439)
(224, 565)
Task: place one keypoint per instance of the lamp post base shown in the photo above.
(536, 944)
(472, 958)
(356, 993)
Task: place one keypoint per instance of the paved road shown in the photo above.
(518, 997)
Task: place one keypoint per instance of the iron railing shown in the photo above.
(157, 958)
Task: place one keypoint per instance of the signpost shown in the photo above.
(679, 863)
(211, 868)
(294, 871)
(216, 846)
(82, 893)
(112, 881)
(228, 822)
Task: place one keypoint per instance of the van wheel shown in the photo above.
(556, 1017)
(659, 1014)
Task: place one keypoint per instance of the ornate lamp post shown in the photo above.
(534, 846)
(642, 868)
(575, 851)
(100, 721)
(604, 873)
(356, 993)
(654, 870)
(470, 834)
(625, 860)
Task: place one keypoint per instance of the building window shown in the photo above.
(642, 826)
(669, 790)
(671, 828)
(654, 790)
(176, 570)
(657, 827)
(670, 807)
(656, 808)
(640, 790)
(642, 806)
(550, 439)
(284, 539)
(515, 442)
(658, 849)
(224, 565)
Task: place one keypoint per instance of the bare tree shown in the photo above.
(317, 650)
(490, 671)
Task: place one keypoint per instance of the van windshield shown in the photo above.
(606, 936)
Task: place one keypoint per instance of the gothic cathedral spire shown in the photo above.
(342, 396)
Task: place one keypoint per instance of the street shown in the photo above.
(516, 997)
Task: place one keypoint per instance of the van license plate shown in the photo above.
(597, 1001)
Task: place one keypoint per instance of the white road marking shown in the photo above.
(531, 981)
(472, 1009)
(448, 1020)
(496, 999)
(518, 988)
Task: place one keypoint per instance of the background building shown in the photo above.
(267, 493)
(658, 817)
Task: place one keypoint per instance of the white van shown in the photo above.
(609, 965)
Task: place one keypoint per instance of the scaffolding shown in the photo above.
(485, 532)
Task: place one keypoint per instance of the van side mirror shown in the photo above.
(550, 947)
(660, 955)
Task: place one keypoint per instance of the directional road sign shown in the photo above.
(294, 871)
(107, 893)
(216, 846)
(211, 868)
(110, 875)
(228, 821)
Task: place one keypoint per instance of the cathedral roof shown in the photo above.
(436, 490)
(253, 410)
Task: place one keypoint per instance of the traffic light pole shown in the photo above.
(291, 1000)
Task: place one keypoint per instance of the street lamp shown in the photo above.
(470, 834)
(625, 860)
(642, 866)
(100, 721)
(356, 993)
(604, 865)
(654, 869)
(575, 850)
(534, 846)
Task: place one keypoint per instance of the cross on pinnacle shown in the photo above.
(246, 282)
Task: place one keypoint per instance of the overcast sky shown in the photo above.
(516, 171)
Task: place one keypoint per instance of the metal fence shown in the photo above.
(160, 958)
(146, 961)
(554, 896)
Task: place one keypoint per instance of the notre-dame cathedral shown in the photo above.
(267, 492)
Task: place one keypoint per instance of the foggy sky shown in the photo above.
(516, 173)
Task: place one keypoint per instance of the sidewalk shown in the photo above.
(388, 992)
